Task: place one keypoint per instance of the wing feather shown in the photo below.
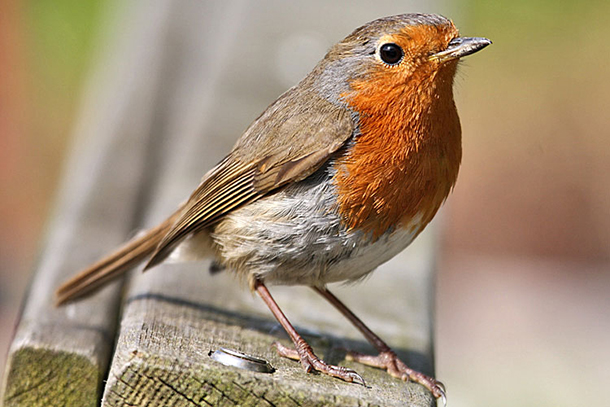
(292, 139)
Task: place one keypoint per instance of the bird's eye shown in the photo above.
(391, 53)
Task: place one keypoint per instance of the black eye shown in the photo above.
(391, 53)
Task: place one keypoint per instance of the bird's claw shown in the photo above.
(443, 396)
(389, 361)
(311, 362)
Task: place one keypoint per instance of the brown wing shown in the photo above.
(293, 138)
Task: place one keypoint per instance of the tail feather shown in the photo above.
(114, 265)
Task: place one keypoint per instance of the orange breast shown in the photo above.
(405, 160)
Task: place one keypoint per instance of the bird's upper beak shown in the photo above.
(460, 47)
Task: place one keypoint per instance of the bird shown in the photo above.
(338, 175)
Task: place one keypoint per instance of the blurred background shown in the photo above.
(523, 311)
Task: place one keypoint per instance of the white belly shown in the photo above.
(296, 237)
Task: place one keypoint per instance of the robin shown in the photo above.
(336, 177)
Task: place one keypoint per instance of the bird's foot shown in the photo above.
(389, 361)
(311, 362)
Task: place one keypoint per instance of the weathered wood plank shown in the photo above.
(59, 356)
(176, 314)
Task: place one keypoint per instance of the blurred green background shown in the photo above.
(524, 270)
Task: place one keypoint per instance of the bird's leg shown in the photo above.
(302, 351)
(387, 358)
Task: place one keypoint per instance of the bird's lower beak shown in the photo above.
(460, 47)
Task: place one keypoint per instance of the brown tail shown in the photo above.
(113, 265)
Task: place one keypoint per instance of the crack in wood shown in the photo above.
(178, 392)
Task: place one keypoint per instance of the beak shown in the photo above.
(460, 47)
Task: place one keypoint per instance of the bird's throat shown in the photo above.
(406, 157)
